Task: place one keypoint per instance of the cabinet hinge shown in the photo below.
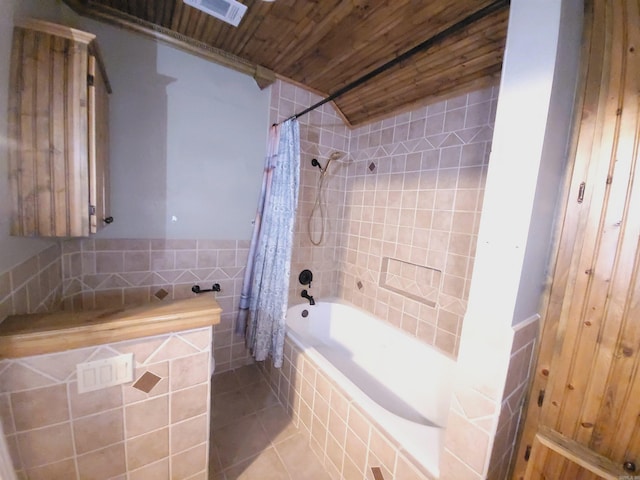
(540, 398)
(90, 80)
(527, 453)
(92, 209)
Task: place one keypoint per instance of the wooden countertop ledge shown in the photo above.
(38, 333)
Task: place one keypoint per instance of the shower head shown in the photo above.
(334, 156)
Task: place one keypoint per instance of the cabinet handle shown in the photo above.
(108, 220)
(629, 466)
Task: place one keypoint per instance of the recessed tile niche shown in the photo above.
(418, 282)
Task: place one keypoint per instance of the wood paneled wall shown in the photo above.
(584, 412)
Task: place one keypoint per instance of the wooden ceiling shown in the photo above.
(325, 45)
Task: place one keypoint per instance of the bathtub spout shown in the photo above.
(304, 294)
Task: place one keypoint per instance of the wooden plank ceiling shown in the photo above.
(324, 45)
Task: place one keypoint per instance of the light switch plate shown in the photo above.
(104, 373)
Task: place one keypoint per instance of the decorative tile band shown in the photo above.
(106, 272)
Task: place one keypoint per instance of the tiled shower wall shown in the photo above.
(409, 188)
(414, 196)
(100, 273)
(322, 132)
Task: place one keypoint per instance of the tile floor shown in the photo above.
(252, 435)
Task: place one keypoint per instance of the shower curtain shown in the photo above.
(263, 301)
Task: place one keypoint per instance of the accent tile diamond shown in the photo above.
(146, 382)
(161, 294)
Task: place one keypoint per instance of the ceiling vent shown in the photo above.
(228, 11)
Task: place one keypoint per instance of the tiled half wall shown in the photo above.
(100, 273)
(121, 432)
(33, 286)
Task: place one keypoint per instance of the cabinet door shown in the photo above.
(98, 97)
(58, 127)
(585, 405)
(47, 126)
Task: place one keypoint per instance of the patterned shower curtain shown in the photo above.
(263, 301)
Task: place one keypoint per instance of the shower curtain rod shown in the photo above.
(438, 37)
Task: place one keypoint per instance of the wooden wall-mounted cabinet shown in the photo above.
(59, 131)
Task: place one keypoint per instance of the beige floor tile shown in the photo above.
(252, 435)
(277, 423)
(224, 382)
(248, 374)
(229, 407)
(216, 475)
(265, 466)
(261, 396)
(240, 440)
(215, 467)
(299, 460)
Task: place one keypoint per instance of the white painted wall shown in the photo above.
(14, 250)
(524, 175)
(527, 161)
(188, 140)
(554, 158)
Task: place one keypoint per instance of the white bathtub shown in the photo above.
(399, 381)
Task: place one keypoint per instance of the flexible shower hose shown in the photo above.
(318, 206)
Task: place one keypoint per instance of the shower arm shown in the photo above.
(316, 163)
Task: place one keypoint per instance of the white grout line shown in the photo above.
(68, 387)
